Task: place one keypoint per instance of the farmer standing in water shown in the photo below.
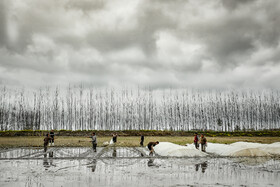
(115, 138)
(142, 140)
(47, 139)
(203, 143)
(52, 138)
(195, 141)
(93, 141)
(151, 146)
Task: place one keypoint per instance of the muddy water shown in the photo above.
(130, 167)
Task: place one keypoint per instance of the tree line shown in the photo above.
(80, 108)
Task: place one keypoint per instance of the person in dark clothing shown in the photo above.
(52, 138)
(115, 137)
(203, 143)
(93, 141)
(46, 141)
(142, 140)
(195, 141)
(151, 146)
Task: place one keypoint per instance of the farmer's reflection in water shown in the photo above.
(48, 162)
(92, 165)
(114, 153)
(151, 163)
(203, 166)
(45, 162)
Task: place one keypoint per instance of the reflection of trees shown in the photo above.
(251, 161)
(74, 152)
(117, 153)
(128, 152)
(172, 170)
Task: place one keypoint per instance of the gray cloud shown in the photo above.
(3, 34)
(85, 5)
(213, 44)
(233, 4)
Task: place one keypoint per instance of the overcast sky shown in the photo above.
(157, 43)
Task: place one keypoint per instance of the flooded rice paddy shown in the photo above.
(124, 166)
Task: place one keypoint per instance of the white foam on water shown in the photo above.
(174, 150)
(234, 150)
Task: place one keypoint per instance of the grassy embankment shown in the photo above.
(130, 138)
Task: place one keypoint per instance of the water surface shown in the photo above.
(130, 167)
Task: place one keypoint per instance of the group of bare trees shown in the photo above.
(79, 108)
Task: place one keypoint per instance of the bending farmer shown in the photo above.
(151, 146)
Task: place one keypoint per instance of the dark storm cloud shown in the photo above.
(195, 43)
(229, 38)
(233, 4)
